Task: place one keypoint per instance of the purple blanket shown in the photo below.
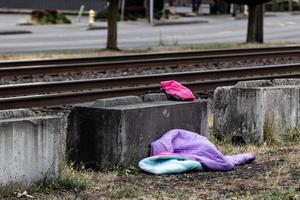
(199, 148)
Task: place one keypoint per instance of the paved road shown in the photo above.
(278, 27)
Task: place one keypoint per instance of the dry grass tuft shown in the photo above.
(270, 135)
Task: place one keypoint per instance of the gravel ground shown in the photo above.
(213, 65)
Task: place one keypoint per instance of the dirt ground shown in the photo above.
(275, 174)
(103, 52)
(276, 170)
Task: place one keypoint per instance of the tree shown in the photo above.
(255, 18)
(274, 5)
(195, 5)
(112, 21)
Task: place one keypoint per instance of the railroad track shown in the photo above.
(71, 92)
(81, 65)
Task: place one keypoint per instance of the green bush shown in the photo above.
(158, 14)
(103, 14)
(130, 17)
(167, 13)
(49, 17)
(131, 14)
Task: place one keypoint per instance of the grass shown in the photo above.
(76, 182)
(275, 194)
(272, 138)
(163, 47)
(292, 135)
(126, 191)
(274, 175)
(182, 194)
(269, 131)
(9, 190)
(161, 41)
(130, 183)
(279, 194)
(70, 180)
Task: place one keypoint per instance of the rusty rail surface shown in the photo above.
(71, 92)
(50, 66)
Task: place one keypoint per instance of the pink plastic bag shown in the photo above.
(176, 90)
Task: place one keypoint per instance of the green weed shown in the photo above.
(269, 132)
(161, 41)
(9, 190)
(292, 136)
(279, 194)
(126, 191)
(182, 194)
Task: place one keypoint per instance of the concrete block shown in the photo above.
(110, 102)
(251, 84)
(220, 104)
(30, 148)
(16, 113)
(241, 112)
(155, 97)
(106, 137)
(286, 82)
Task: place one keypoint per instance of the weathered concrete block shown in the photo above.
(120, 134)
(243, 111)
(286, 82)
(220, 104)
(30, 147)
(17, 113)
(110, 102)
(155, 97)
(252, 84)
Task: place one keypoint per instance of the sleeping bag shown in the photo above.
(190, 145)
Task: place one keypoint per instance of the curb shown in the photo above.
(96, 28)
(14, 32)
(28, 11)
(179, 23)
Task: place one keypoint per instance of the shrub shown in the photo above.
(103, 14)
(49, 17)
(130, 13)
(137, 12)
(126, 191)
(270, 137)
(158, 14)
(292, 135)
(167, 13)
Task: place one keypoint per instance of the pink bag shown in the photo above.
(176, 90)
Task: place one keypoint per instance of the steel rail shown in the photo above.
(132, 81)
(146, 56)
(127, 62)
(59, 93)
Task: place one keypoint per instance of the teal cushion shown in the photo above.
(169, 164)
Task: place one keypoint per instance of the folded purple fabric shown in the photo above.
(199, 148)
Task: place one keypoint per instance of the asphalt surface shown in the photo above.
(279, 27)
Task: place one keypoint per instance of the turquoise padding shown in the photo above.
(169, 164)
